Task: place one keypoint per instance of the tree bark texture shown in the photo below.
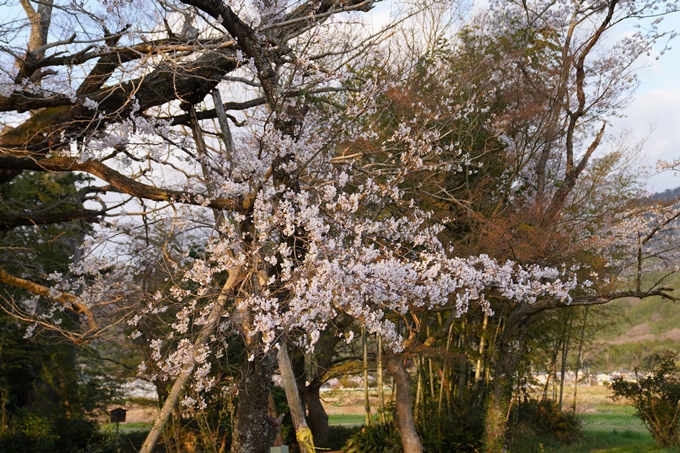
(407, 427)
(254, 430)
(323, 357)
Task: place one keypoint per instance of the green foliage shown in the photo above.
(655, 396)
(378, 438)
(48, 388)
(540, 422)
(36, 251)
(340, 435)
(460, 429)
(129, 442)
(28, 432)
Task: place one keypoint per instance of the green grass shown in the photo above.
(613, 441)
(125, 427)
(346, 419)
(611, 429)
(609, 417)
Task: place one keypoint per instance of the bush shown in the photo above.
(27, 432)
(461, 430)
(341, 434)
(538, 422)
(655, 396)
(379, 438)
(129, 442)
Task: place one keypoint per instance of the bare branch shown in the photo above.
(67, 300)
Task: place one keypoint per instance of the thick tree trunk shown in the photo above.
(254, 431)
(325, 350)
(407, 427)
(510, 351)
(316, 415)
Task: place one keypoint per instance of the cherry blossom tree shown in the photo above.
(543, 183)
(299, 193)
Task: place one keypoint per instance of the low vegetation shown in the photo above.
(655, 394)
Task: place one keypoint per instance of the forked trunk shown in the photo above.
(407, 427)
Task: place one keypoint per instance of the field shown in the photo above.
(608, 427)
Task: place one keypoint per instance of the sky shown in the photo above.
(657, 102)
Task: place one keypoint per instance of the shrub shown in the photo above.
(655, 396)
(341, 434)
(460, 430)
(537, 422)
(379, 438)
(25, 432)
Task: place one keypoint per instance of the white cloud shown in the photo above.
(657, 108)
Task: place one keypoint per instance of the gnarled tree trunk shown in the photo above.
(254, 430)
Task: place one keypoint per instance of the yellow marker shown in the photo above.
(304, 437)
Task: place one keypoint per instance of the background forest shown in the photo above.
(223, 206)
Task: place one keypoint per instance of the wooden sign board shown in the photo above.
(118, 415)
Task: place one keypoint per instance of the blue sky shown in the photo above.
(657, 103)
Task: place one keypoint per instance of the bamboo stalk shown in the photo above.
(565, 352)
(443, 380)
(367, 404)
(462, 368)
(482, 340)
(419, 388)
(381, 390)
(578, 357)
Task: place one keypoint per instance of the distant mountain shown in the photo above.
(666, 195)
(639, 327)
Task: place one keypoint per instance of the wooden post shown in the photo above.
(297, 412)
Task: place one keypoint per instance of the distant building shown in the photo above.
(603, 378)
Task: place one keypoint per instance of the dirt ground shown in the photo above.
(351, 401)
(136, 413)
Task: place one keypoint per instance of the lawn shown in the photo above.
(346, 419)
(612, 417)
(611, 428)
(608, 427)
(125, 427)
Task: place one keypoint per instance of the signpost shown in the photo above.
(118, 416)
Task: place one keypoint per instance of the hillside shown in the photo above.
(643, 327)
